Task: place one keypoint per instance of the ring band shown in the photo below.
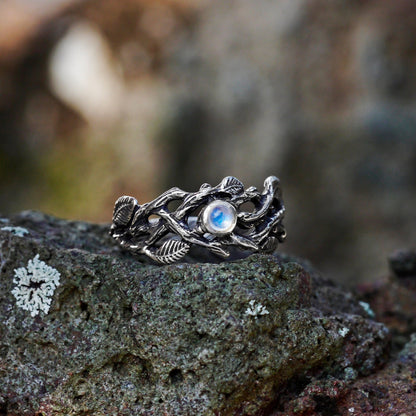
(213, 218)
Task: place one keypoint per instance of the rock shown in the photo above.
(114, 335)
(393, 298)
(389, 392)
(392, 391)
(403, 263)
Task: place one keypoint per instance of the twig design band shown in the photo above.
(213, 217)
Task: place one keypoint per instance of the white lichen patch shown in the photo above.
(256, 310)
(206, 354)
(19, 231)
(35, 286)
(367, 309)
(4, 220)
(343, 331)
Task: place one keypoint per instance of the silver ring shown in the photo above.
(214, 218)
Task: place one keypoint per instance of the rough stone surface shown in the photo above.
(393, 299)
(123, 337)
(403, 263)
(390, 391)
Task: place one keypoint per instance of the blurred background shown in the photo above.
(101, 98)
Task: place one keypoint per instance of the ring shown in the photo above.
(215, 218)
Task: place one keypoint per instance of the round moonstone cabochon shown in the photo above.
(219, 217)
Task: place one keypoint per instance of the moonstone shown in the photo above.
(219, 217)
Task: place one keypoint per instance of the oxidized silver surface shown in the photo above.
(169, 234)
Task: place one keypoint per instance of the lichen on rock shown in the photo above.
(35, 286)
(127, 338)
(19, 231)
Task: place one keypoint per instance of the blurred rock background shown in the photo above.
(111, 97)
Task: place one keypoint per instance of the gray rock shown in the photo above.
(403, 263)
(122, 337)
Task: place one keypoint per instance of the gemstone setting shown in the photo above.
(219, 217)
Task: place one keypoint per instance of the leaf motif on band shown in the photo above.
(232, 185)
(171, 251)
(123, 210)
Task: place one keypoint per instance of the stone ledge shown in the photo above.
(126, 338)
